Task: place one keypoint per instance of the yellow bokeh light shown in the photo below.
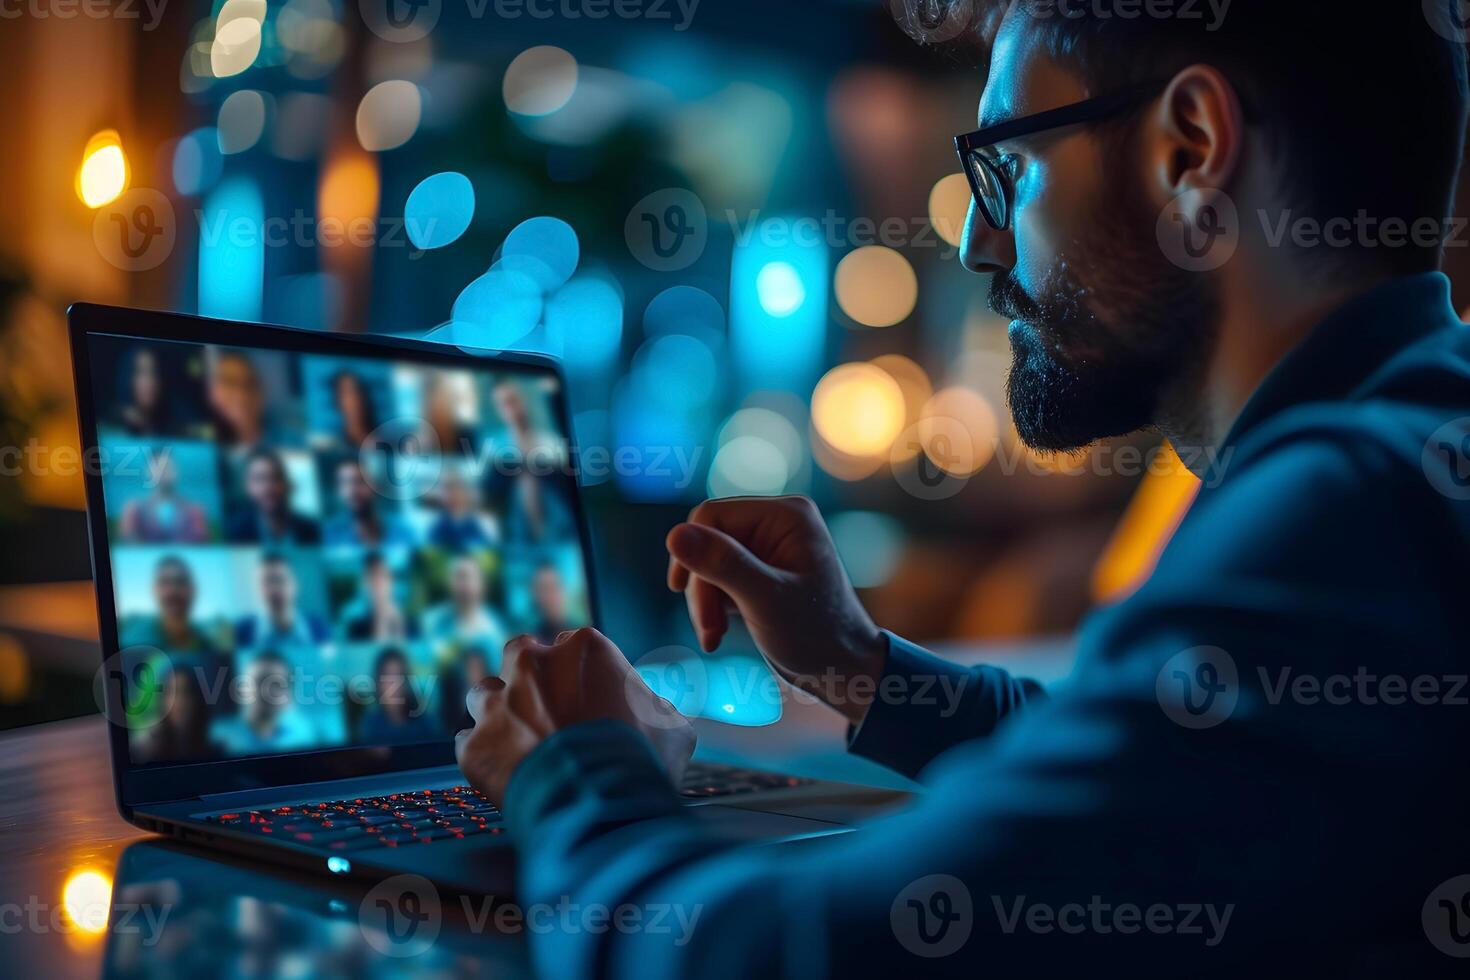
(15, 670)
(949, 202)
(104, 172)
(858, 409)
(847, 468)
(916, 389)
(349, 192)
(876, 286)
(86, 897)
(1162, 499)
(958, 431)
(540, 81)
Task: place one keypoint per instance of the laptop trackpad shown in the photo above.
(752, 825)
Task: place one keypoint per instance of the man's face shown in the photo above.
(550, 597)
(173, 590)
(466, 584)
(1102, 324)
(457, 499)
(234, 390)
(392, 683)
(165, 475)
(277, 586)
(353, 488)
(510, 405)
(146, 384)
(266, 486)
(270, 687)
(379, 584)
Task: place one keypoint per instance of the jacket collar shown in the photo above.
(1348, 346)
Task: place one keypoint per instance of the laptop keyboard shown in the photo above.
(373, 821)
(706, 779)
(446, 814)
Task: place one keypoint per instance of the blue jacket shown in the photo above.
(1259, 763)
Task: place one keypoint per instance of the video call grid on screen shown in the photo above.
(315, 551)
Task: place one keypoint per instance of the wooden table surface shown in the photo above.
(83, 893)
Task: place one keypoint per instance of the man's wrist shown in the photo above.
(858, 686)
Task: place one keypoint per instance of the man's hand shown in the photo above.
(771, 559)
(543, 689)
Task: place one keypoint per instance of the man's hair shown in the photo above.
(270, 456)
(1364, 104)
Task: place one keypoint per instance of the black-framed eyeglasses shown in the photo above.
(990, 183)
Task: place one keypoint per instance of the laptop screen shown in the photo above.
(310, 551)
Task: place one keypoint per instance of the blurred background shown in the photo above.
(735, 221)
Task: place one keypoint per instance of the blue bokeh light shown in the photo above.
(870, 545)
(232, 251)
(686, 310)
(495, 311)
(585, 319)
(664, 451)
(546, 249)
(780, 288)
(197, 162)
(778, 352)
(678, 370)
(439, 210)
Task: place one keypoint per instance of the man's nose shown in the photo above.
(982, 248)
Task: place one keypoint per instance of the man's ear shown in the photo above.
(1199, 136)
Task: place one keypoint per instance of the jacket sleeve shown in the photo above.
(1150, 814)
(925, 704)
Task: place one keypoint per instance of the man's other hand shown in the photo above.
(772, 560)
(543, 689)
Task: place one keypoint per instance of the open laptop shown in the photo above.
(306, 547)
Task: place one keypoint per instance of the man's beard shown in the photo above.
(1098, 352)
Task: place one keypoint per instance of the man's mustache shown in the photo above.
(1009, 299)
